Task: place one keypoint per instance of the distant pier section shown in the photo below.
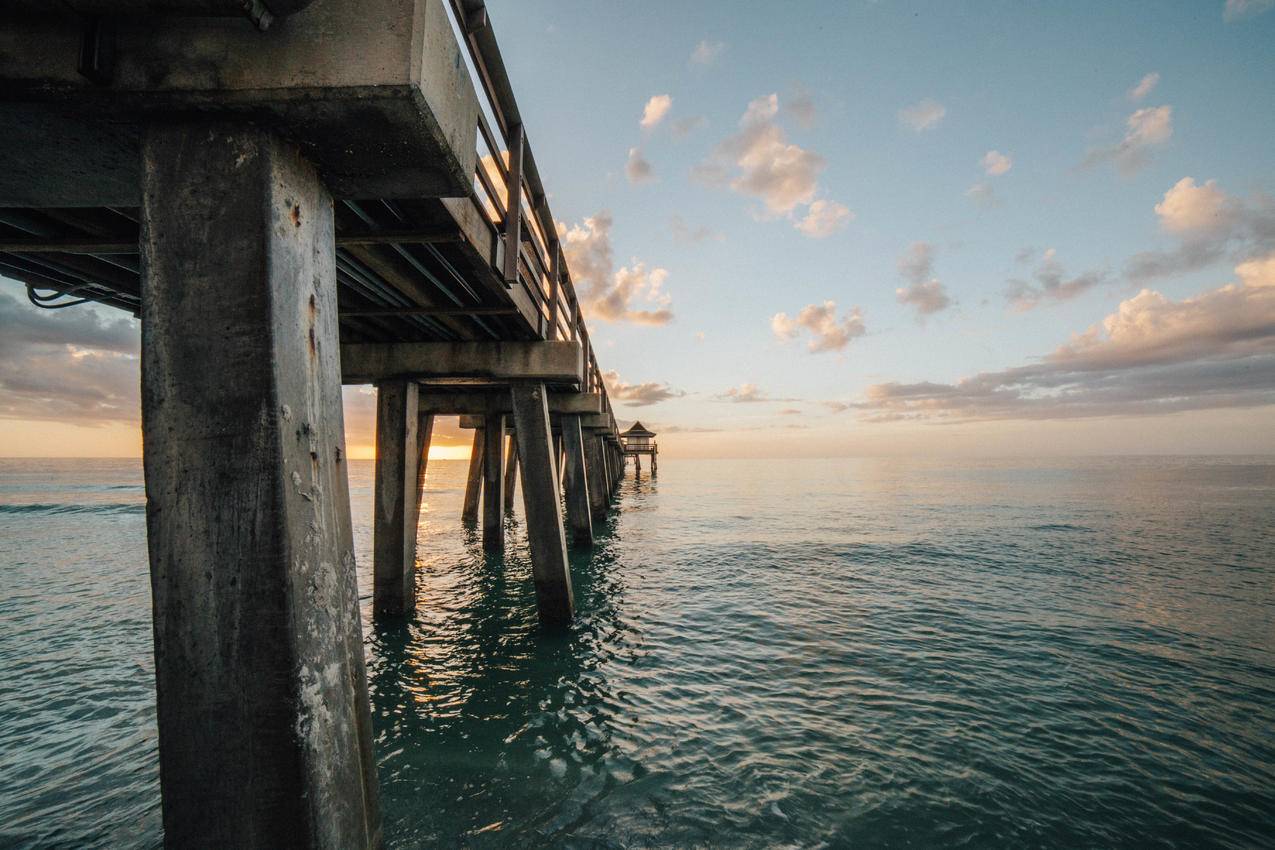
(292, 195)
(638, 441)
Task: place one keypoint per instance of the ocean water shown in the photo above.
(847, 653)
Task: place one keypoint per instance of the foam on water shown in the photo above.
(867, 653)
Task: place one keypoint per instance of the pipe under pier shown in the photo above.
(292, 196)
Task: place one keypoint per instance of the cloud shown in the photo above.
(68, 365)
(801, 107)
(996, 163)
(638, 395)
(836, 406)
(1208, 225)
(760, 162)
(1144, 87)
(604, 292)
(823, 218)
(1145, 129)
(683, 127)
(1238, 10)
(706, 52)
(1152, 355)
(637, 169)
(682, 232)
(788, 411)
(924, 292)
(923, 116)
(1050, 283)
(827, 332)
(655, 110)
(748, 394)
(984, 195)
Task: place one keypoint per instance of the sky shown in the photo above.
(862, 228)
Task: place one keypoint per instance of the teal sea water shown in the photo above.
(845, 653)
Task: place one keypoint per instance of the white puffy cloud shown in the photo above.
(1144, 87)
(683, 232)
(923, 116)
(1145, 129)
(760, 161)
(924, 292)
(996, 163)
(1050, 283)
(638, 169)
(1238, 10)
(606, 293)
(827, 331)
(823, 218)
(1191, 209)
(1152, 355)
(638, 395)
(706, 52)
(1209, 225)
(655, 110)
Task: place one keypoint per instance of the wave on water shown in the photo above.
(109, 508)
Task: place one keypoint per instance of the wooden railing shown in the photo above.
(508, 191)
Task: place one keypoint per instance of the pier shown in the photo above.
(293, 195)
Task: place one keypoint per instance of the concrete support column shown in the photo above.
(264, 729)
(474, 482)
(595, 468)
(637, 466)
(395, 507)
(493, 483)
(424, 432)
(548, 543)
(578, 518)
(511, 474)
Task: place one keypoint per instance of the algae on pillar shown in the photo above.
(265, 738)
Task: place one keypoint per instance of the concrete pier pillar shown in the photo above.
(511, 474)
(424, 432)
(578, 512)
(595, 468)
(548, 543)
(474, 481)
(637, 466)
(395, 507)
(493, 483)
(264, 728)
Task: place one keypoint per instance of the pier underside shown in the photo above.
(289, 207)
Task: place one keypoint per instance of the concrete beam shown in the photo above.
(265, 737)
(558, 361)
(342, 72)
(452, 402)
